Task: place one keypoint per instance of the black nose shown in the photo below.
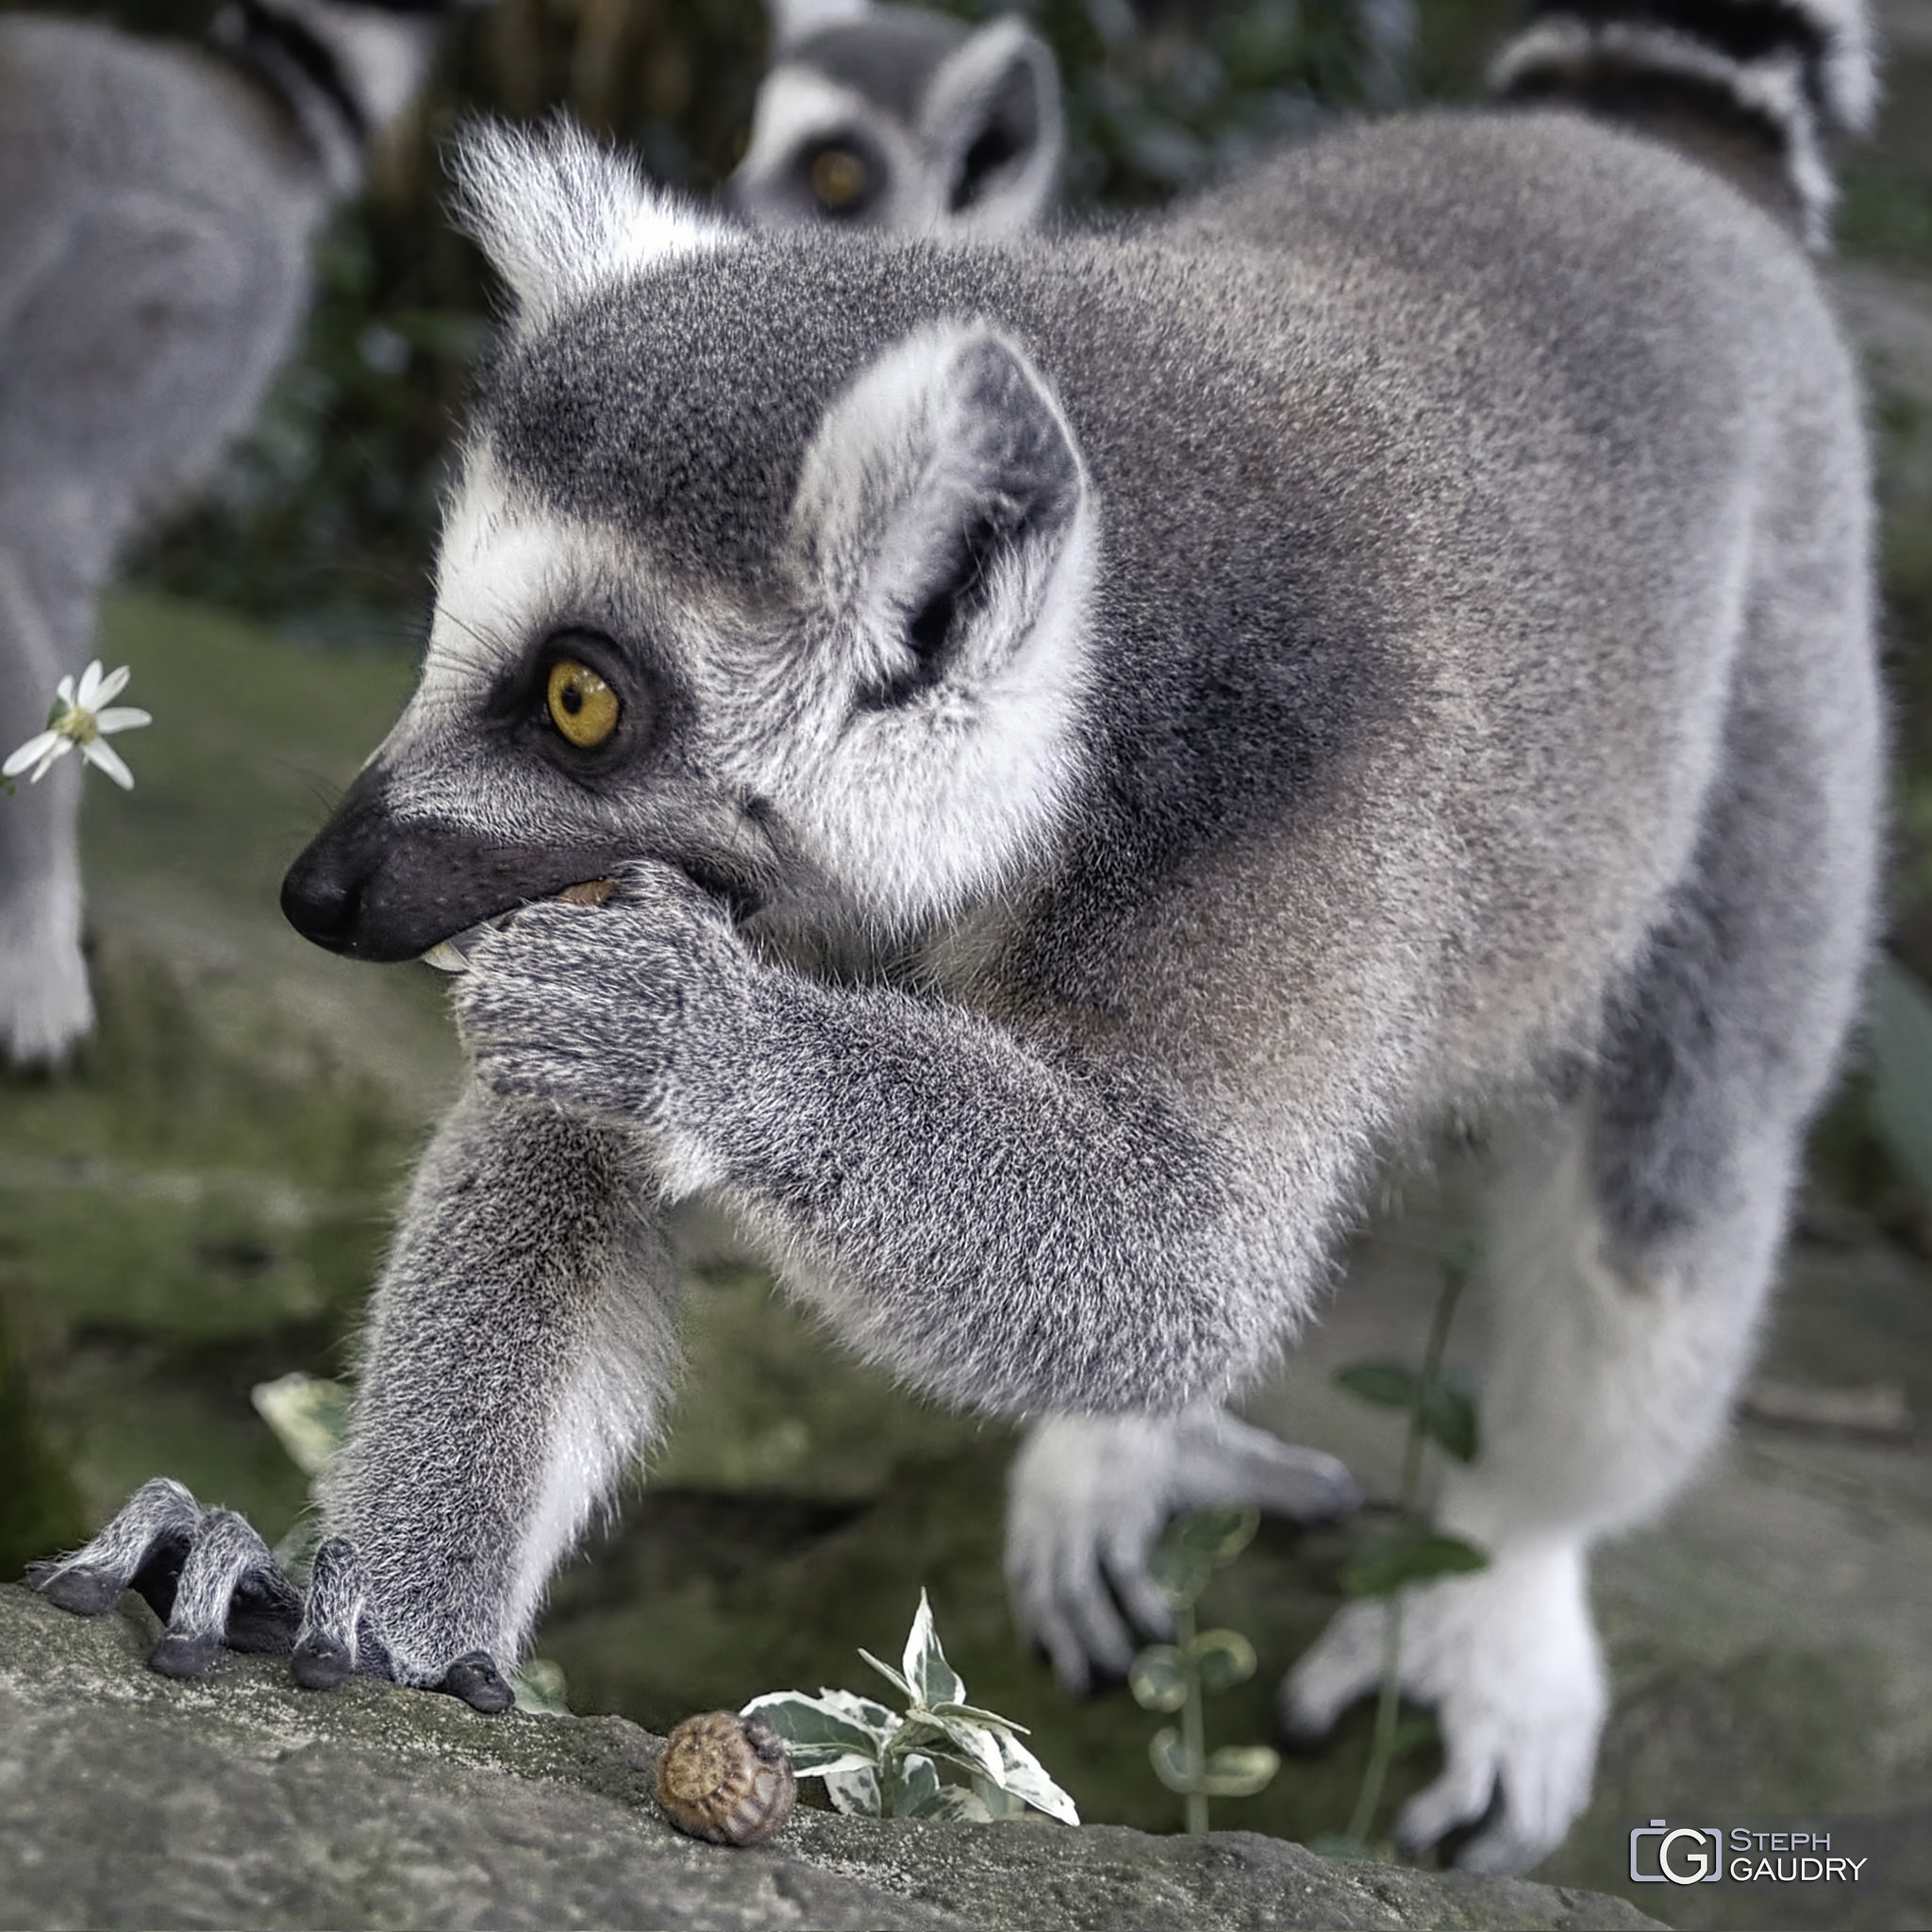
(322, 898)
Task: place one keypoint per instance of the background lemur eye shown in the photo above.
(582, 706)
(839, 177)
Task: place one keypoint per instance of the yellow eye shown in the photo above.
(838, 177)
(582, 706)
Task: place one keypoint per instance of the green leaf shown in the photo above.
(1218, 1534)
(1387, 1385)
(1449, 1418)
(990, 1720)
(308, 1414)
(996, 1802)
(1461, 1260)
(1159, 1677)
(539, 1687)
(1180, 1575)
(1901, 1038)
(817, 1735)
(866, 1712)
(1338, 1844)
(1224, 1658)
(1024, 1776)
(956, 1802)
(1238, 1771)
(856, 1792)
(891, 1676)
(911, 1788)
(1394, 1561)
(978, 1746)
(1172, 1764)
(927, 1669)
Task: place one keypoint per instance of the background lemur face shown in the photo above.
(831, 649)
(888, 117)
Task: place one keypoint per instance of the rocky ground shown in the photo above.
(199, 1205)
(126, 1800)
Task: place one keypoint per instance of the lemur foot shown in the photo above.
(216, 1585)
(1090, 1496)
(1510, 1659)
(46, 1009)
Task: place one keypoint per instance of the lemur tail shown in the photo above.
(1755, 87)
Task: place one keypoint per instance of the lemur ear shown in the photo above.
(792, 20)
(991, 115)
(936, 508)
(558, 215)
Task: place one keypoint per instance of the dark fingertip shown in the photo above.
(477, 1681)
(85, 1591)
(1303, 1739)
(320, 1663)
(183, 1657)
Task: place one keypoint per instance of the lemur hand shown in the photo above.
(1510, 1659)
(589, 1006)
(212, 1580)
(1090, 1496)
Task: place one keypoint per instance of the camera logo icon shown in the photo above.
(1688, 1854)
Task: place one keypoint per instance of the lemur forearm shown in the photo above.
(517, 1344)
(1014, 1231)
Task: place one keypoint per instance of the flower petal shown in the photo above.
(109, 760)
(90, 686)
(110, 688)
(41, 742)
(121, 718)
(55, 752)
(64, 691)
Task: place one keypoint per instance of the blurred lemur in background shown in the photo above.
(877, 117)
(1095, 746)
(891, 117)
(157, 206)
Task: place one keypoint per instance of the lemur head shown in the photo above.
(740, 573)
(891, 117)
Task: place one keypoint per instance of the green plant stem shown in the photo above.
(1389, 1698)
(1193, 1720)
(1454, 1275)
(1387, 1705)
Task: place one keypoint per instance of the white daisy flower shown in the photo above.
(80, 721)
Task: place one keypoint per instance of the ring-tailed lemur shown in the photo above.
(1095, 742)
(156, 204)
(892, 117)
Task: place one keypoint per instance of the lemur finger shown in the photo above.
(1459, 1796)
(325, 1645)
(147, 1540)
(476, 1680)
(1345, 1665)
(1125, 1557)
(226, 1554)
(1087, 1605)
(1222, 1459)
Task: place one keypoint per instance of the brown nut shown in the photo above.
(587, 892)
(726, 1778)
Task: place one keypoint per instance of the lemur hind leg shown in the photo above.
(513, 1359)
(44, 1003)
(1631, 1252)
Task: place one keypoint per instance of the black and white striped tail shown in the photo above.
(340, 71)
(1786, 75)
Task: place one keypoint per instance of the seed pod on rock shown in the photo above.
(726, 1778)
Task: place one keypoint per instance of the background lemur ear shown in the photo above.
(792, 20)
(558, 214)
(991, 115)
(936, 505)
